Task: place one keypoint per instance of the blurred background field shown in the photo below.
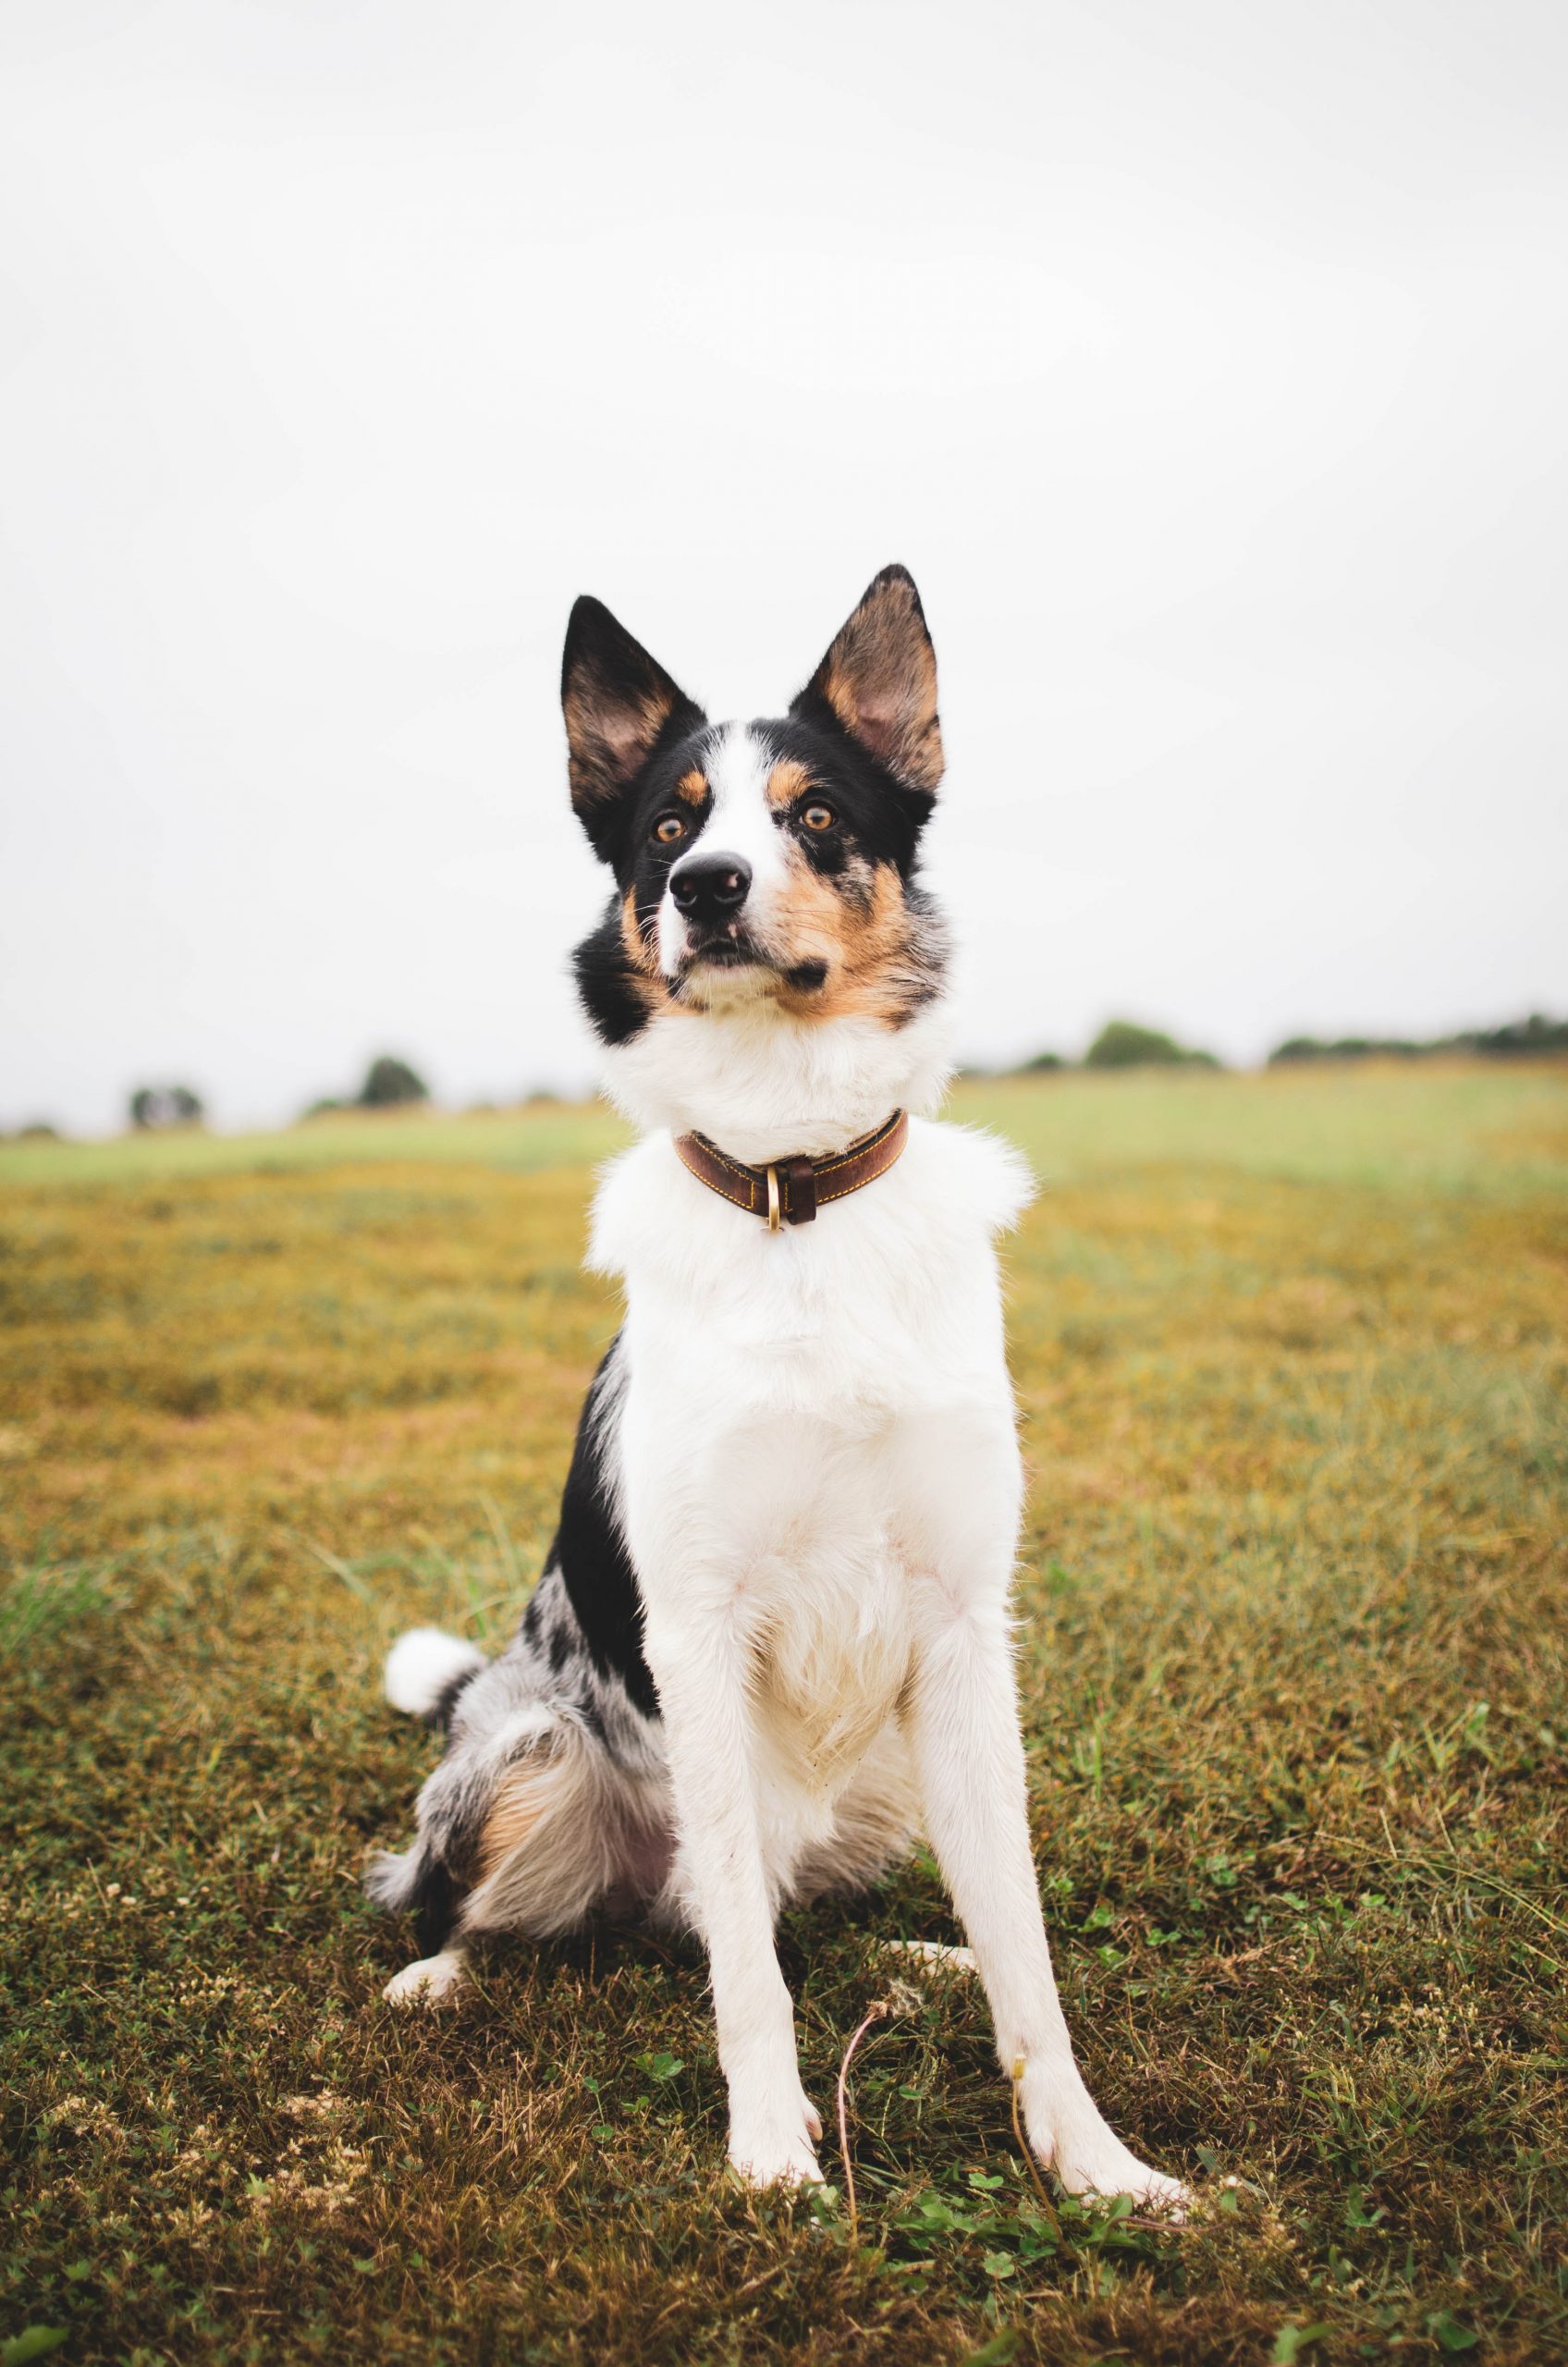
(1479, 1125)
(1290, 1350)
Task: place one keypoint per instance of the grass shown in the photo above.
(1291, 1352)
(541, 1134)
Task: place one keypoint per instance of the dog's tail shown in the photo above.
(426, 1670)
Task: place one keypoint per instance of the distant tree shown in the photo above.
(390, 1082)
(1536, 1034)
(1041, 1062)
(1123, 1044)
(165, 1105)
(321, 1108)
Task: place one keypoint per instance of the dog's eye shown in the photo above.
(668, 828)
(818, 817)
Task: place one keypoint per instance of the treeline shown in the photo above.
(1128, 1044)
(391, 1083)
(1520, 1039)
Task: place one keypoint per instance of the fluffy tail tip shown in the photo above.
(424, 1666)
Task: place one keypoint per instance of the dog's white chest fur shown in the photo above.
(795, 1407)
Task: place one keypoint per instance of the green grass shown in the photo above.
(1291, 1357)
(539, 1134)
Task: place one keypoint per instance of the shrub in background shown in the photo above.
(390, 1082)
(1123, 1044)
(165, 1105)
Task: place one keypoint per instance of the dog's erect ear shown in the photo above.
(879, 679)
(618, 700)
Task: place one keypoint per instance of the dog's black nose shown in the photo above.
(710, 887)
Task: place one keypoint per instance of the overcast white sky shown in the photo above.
(1207, 363)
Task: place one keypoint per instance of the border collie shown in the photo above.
(772, 1637)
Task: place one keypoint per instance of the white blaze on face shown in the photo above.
(739, 821)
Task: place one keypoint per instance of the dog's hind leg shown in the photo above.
(567, 1830)
(551, 1800)
(417, 1882)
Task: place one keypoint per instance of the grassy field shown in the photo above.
(1291, 1356)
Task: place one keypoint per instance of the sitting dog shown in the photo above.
(772, 1636)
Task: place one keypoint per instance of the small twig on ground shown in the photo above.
(879, 2013)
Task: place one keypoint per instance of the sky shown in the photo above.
(1207, 365)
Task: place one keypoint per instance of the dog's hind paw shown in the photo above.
(434, 1980)
(940, 1954)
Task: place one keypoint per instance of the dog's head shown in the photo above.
(769, 862)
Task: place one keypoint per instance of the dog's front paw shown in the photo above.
(1110, 2169)
(783, 2161)
(775, 2148)
(1085, 2155)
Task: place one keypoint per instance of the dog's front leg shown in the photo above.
(709, 1736)
(963, 1723)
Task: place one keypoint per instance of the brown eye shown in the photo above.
(668, 828)
(818, 817)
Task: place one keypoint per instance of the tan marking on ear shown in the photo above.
(787, 781)
(609, 740)
(692, 788)
(879, 678)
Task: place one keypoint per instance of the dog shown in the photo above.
(772, 1638)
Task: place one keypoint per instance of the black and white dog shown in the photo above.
(772, 1637)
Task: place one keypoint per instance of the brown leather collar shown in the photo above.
(790, 1191)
